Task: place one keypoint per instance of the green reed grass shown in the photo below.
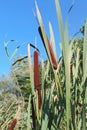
(63, 90)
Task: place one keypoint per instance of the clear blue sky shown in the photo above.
(17, 22)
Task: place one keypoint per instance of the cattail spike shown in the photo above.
(39, 98)
(37, 78)
(13, 124)
(52, 56)
(50, 49)
(36, 70)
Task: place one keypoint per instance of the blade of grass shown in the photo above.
(68, 80)
(45, 123)
(31, 70)
(29, 114)
(67, 58)
(46, 113)
(85, 53)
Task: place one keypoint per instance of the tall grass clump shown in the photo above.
(52, 95)
(58, 99)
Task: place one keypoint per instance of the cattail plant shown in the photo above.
(49, 50)
(65, 109)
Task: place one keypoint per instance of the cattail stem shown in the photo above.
(33, 115)
(39, 98)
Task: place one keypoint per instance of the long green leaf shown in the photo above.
(67, 58)
(31, 70)
(45, 123)
(85, 53)
(84, 77)
(29, 114)
(67, 61)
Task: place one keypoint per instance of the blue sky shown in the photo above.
(18, 22)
